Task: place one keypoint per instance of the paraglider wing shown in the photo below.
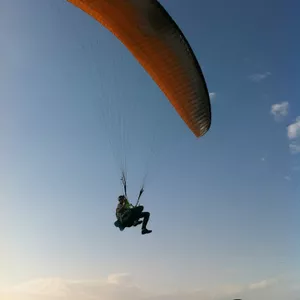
(155, 40)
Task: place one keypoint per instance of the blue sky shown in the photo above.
(224, 208)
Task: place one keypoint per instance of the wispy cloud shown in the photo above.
(263, 284)
(294, 147)
(259, 76)
(115, 288)
(296, 168)
(280, 110)
(288, 178)
(120, 278)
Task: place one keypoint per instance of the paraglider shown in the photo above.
(158, 44)
(129, 215)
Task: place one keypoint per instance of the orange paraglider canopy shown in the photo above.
(155, 40)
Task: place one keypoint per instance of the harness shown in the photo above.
(126, 214)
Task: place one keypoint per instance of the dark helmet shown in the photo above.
(121, 198)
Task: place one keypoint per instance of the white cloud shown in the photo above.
(294, 129)
(293, 132)
(288, 178)
(121, 286)
(260, 76)
(212, 95)
(280, 110)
